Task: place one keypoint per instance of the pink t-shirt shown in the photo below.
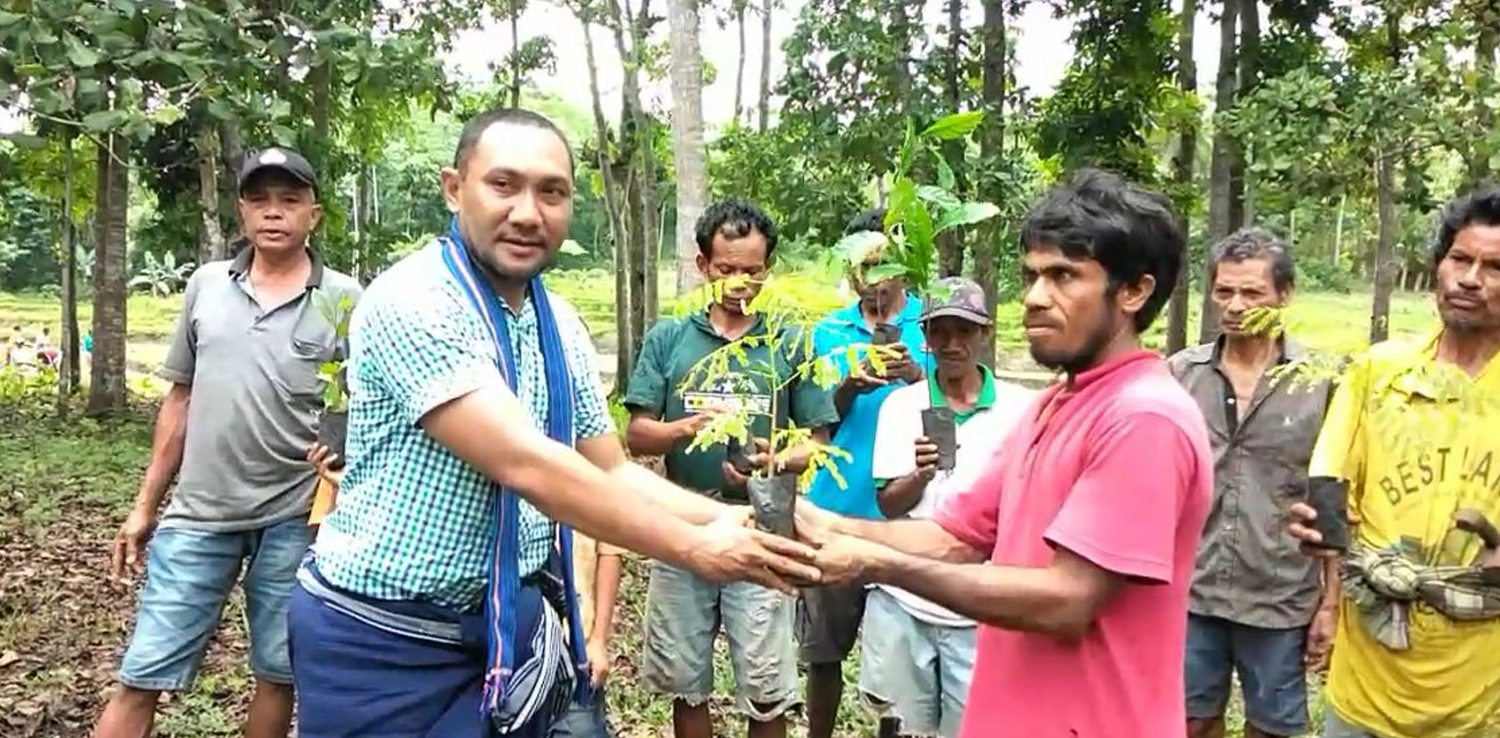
(1116, 469)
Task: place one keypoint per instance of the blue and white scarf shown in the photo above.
(504, 576)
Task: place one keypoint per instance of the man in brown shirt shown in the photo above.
(1257, 605)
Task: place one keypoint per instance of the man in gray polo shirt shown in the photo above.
(232, 430)
(1257, 606)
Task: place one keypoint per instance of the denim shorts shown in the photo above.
(683, 615)
(189, 575)
(828, 620)
(915, 670)
(583, 720)
(1270, 665)
(1337, 727)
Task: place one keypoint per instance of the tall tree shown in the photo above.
(991, 136)
(212, 245)
(515, 53)
(613, 201)
(951, 244)
(763, 107)
(638, 142)
(1486, 147)
(689, 152)
(70, 376)
(739, 67)
(1109, 101)
(1225, 186)
(1183, 161)
(107, 390)
(1249, 57)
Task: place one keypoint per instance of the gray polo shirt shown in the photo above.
(1248, 569)
(255, 397)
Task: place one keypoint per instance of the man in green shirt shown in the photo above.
(683, 611)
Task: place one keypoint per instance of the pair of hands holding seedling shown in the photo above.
(898, 363)
(738, 468)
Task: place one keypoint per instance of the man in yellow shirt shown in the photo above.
(1412, 430)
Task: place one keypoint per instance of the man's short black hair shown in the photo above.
(733, 218)
(1480, 207)
(481, 122)
(1257, 243)
(870, 220)
(1130, 230)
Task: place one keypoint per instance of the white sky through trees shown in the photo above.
(1042, 54)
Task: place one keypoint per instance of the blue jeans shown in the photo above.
(1337, 727)
(189, 574)
(1271, 669)
(683, 615)
(918, 670)
(583, 721)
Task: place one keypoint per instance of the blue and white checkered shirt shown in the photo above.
(412, 521)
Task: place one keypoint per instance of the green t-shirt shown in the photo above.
(670, 351)
(985, 401)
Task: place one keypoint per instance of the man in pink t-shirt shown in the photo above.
(1089, 516)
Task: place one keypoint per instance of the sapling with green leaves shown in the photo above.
(906, 247)
(917, 214)
(333, 426)
(731, 369)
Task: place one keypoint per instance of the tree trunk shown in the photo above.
(515, 53)
(211, 234)
(689, 152)
(69, 375)
(614, 205)
(364, 217)
(107, 378)
(232, 159)
(1224, 203)
(951, 244)
(1182, 172)
(739, 69)
(1385, 246)
(638, 184)
(992, 149)
(1338, 232)
(647, 276)
(613, 209)
(764, 107)
(1485, 44)
(1249, 62)
(320, 78)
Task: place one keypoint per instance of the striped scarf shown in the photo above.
(504, 577)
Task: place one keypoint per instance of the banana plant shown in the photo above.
(917, 214)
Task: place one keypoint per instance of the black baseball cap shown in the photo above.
(276, 157)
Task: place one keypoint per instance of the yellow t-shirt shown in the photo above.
(1417, 439)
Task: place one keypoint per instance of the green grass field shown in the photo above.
(63, 625)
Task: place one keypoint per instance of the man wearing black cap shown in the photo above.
(232, 431)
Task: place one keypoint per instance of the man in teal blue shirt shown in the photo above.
(829, 617)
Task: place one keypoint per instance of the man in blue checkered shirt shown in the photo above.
(387, 632)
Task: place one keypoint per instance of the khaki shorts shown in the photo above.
(684, 614)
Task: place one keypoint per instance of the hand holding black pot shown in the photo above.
(927, 456)
(330, 465)
(743, 462)
(1310, 532)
